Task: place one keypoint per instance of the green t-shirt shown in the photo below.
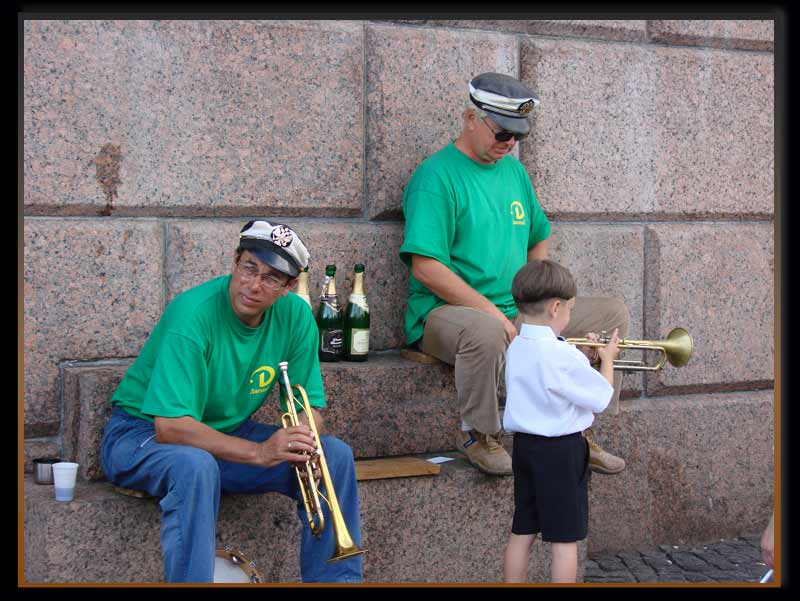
(202, 361)
(479, 220)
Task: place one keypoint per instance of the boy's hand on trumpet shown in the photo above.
(610, 351)
(589, 351)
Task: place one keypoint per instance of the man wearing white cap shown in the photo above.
(181, 430)
(472, 221)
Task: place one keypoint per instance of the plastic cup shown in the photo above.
(64, 475)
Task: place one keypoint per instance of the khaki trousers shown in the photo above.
(474, 343)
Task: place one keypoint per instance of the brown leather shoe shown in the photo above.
(601, 461)
(484, 452)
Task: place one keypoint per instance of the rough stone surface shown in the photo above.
(38, 448)
(92, 289)
(73, 542)
(629, 30)
(193, 117)
(717, 281)
(673, 484)
(359, 410)
(200, 249)
(681, 452)
(714, 146)
(628, 129)
(729, 33)
(409, 68)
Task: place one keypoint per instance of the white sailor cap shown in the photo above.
(507, 99)
(276, 245)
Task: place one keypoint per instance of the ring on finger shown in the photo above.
(290, 444)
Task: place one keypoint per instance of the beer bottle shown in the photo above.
(356, 320)
(302, 286)
(329, 319)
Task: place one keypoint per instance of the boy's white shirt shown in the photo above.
(551, 389)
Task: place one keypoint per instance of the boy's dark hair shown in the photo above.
(540, 280)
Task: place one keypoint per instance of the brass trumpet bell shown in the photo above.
(677, 349)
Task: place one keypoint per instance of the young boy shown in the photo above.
(552, 393)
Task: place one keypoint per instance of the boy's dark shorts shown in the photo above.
(551, 486)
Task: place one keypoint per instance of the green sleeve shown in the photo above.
(179, 380)
(540, 224)
(430, 225)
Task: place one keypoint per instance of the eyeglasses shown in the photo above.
(503, 135)
(248, 271)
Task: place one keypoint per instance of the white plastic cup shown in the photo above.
(64, 476)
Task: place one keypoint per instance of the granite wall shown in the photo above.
(147, 144)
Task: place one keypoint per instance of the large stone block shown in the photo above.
(606, 260)
(744, 34)
(416, 92)
(717, 281)
(629, 30)
(699, 467)
(413, 530)
(385, 406)
(199, 250)
(629, 130)
(714, 144)
(590, 150)
(194, 117)
(88, 388)
(92, 289)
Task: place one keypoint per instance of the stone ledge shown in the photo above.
(103, 536)
(421, 396)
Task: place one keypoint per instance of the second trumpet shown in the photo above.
(677, 349)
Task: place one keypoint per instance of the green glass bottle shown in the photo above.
(356, 320)
(330, 320)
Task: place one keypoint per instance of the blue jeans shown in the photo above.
(189, 480)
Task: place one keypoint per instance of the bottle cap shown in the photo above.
(330, 270)
(358, 268)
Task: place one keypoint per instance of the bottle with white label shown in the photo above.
(356, 320)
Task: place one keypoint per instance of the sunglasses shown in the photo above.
(504, 135)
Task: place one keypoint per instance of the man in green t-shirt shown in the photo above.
(181, 430)
(472, 221)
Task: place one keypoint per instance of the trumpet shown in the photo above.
(344, 546)
(677, 349)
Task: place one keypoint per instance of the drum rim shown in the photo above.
(238, 558)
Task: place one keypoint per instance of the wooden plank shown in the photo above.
(394, 467)
(417, 356)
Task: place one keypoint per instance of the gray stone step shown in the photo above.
(386, 406)
(451, 527)
(699, 466)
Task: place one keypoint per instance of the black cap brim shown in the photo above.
(272, 255)
(512, 124)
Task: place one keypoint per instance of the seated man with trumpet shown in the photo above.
(181, 430)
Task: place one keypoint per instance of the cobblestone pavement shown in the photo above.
(726, 560)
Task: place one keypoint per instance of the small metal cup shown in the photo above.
(43, 469)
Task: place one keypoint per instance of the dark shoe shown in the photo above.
(601, 461)
(484, 452)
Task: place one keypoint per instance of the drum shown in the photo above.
(231, 565)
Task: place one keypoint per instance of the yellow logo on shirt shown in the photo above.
(261, 378)
(518, 213)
